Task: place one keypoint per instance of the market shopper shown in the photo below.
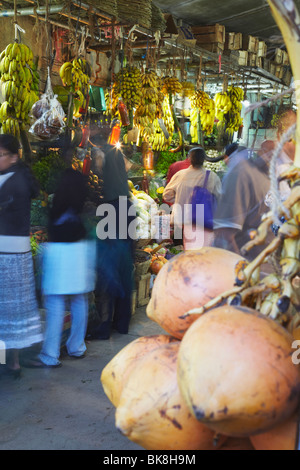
(20, 323)
(242, 204)
(115, 250)
(177, 166)
(180, 189)
(68, 264)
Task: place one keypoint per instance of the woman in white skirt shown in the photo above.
(68, 265)
(20, 324)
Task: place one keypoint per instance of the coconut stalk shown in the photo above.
(287, 18)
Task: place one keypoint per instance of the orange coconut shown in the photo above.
(235, 371)
(187, 281)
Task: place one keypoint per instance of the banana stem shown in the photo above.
(288, 21)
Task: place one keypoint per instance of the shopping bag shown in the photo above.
(201, 195)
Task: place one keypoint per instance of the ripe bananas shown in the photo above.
(188, 89)
(171, 86)
(128, 86)
(77, 74)
(146, 112)
(19, 87)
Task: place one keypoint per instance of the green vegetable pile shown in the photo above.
(164, 161)
(47, 170)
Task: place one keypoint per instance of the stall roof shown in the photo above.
(240, 16)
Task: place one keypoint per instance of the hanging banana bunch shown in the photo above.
(112, 102)
(201, 110)
(128, 86)
(207, 116)
(19, 86)
(158, 141)
(223, 106)
(171, 86)
(233, 119)
(77, 74)
(146, 111)
(188, 89)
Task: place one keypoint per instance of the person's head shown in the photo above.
(266, 150)
(229, 150)
(197, 156)
(71, 192)
(9, 151)
(286, 120)
(100, 134)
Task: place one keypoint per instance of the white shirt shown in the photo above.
(180, 189)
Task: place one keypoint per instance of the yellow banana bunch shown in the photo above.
(188, 89)
(147, 110)
(112, 101)
(207, 116)
(19, 87)
(157, 138)
(194, 125)
(233, 118)
(128, 86)
(223, 102)
(77, 74)
(171, 86)
(200, 100)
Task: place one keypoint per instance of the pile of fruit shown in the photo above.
(19, 86)
(210, 378)
(93, 181)
(77, 74)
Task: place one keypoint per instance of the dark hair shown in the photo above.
(197, 156)
(231, 148)
(9, 143)
(71, 193)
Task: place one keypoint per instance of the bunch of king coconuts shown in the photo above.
(221, 380)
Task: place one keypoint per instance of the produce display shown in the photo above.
(171, 86)
(208, 370)
(19, 86)
(146, 209)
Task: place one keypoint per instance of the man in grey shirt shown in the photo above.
(242, 204)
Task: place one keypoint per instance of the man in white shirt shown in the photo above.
(180, 189)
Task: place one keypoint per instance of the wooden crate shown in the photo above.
(272, 68)
(287, 76)
(207, 34)
(143, 290)
(238, 57)
(215, 47)
(266, 64)
(278, 56)
(250, 44)
(279, 71)
(252, 58)
(259, 62)
(234, 41)
(262, 49)
(285, 58)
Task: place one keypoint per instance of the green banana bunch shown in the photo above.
(19, 87)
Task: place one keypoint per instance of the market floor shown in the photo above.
(66, 408)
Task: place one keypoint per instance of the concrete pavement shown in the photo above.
(66, 408)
